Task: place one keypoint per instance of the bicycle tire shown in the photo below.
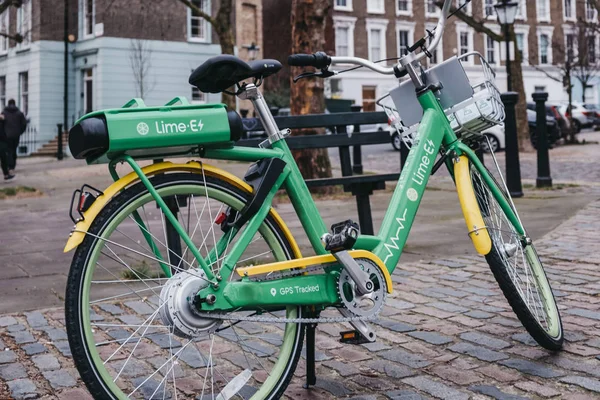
(545, 327)
(86, 358)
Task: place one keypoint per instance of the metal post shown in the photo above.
(274, 110)
(479, 153)
(345, 161)
(404, 150)
(513, 168)
(356, 151)
(59, 151)
(543, 161)
(363, 206)
(59, 155)
(507, 38)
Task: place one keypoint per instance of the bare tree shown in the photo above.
(585, 62)
(4, 5)
(306, 96)
(140, 60)
(516, 73)
(222, 24)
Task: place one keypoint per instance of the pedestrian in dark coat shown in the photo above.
(5, 152)
(15, 124)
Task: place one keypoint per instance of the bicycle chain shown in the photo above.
(269, 277)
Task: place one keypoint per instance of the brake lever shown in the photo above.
(322, 74)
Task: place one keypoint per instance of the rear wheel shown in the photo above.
(518, 269)
(124, 317)
(396, 141)
(577, 126)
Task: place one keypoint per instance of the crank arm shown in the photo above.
(361, 326)
(360, 277)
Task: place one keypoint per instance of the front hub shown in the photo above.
(177, 311)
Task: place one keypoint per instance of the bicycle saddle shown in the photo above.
(221, 72)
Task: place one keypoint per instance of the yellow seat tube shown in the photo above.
(468, 202)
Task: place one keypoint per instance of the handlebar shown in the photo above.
(321, 60)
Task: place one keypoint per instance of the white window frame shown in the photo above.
(5, 26)
(573, 10)
(467, 10)
(84, 23)
(594, 15)
(439, 50)
(23, 94)
(524, 30)
(548, 31)
(409, 5)
(522, 11)
(380, 24)
(435, 14)
(461, 27)
(24, 24)
(497, 46)
(408, 26)
(207, 28)
(546, 17)
(379, 10)
(492, 17)
(342, 21)
(570, 30)
(347, 7)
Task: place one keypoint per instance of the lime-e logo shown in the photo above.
(142, 128)
(180, 127)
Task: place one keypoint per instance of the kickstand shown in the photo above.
(311, 377)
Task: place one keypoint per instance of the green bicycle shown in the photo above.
(219, 292)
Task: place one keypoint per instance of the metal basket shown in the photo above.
(471, 106)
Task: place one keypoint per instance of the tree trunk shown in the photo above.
(306, 96)
(224, 29)
(572, 132)
(516, 72)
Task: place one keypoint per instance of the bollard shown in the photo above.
(59, 152)
(513, 168)
(404, 150)
(543, 161)
(479, 153)
(274, 110)
(356, 151)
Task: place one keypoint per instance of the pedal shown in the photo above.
(342, 237)
(353, 337)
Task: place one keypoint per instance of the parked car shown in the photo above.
(495, 136)
(584, 115)
(553, 111)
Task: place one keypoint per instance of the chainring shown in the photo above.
(366, 305)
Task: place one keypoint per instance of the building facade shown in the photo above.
(117, 50)
(380, 29)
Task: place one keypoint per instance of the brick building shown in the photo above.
(379, 29)
(102, 36)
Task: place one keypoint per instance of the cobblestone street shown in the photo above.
(446, 332)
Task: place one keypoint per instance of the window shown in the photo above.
(591, 42)
(491, 50)
(368, 96)
(539, 88)
(522, 10)
(344, 5)
(402, 42)
(431, 9)
(488, 9)
(544, 42)
(569, 9)
(24, 23)
(24, 92)
(375, 6)
(197, 96)
(465, 41)
(376, 50)
(543, 10)
(520, 37)
(403, 7)
(336, 87)
(197, 26)
(570, 46)
(437, 56)
(344, 35)
(2, 92)
(467, 8)
(88, 90)
(591, 14)
(4, 28)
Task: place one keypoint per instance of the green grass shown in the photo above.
(142, 271)
(17, 190)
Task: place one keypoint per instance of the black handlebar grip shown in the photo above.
(318, 60)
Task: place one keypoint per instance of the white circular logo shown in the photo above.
(412, 194)
(142, 128)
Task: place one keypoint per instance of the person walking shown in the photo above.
(15, 124)
(5, 152)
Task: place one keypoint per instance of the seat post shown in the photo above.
(252, 93)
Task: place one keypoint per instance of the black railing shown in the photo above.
(361, 186)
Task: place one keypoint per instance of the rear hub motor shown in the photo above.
(177, 311)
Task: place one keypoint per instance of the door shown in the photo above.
(87, 93)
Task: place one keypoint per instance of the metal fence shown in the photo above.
(28, 142)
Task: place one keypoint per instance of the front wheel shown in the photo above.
(133, 331)
(396, 141)
(518, 268)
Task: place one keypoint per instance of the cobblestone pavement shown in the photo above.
(446, 333)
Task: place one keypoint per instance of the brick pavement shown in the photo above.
(446, 333)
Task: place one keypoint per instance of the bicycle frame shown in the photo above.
(433, 133)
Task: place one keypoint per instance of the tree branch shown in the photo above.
(198, 11)
(478, 25)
